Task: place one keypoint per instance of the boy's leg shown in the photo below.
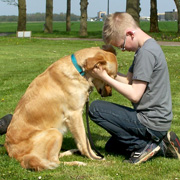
(172, 145)
(122, 123)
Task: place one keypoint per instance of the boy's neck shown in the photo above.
(142, 37)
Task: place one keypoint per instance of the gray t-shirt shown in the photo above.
(154, 110)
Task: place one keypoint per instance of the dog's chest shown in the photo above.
(62, 129)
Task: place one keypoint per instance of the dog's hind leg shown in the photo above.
(46, 145)
(76, 126)
(72, 163)
(77, 163)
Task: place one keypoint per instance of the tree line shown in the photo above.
(132, 7)
(39, 17)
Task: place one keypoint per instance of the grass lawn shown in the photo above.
(21, 60)
(168, 29)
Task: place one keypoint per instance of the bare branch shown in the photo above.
(11, 2)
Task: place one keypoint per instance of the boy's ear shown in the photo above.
(96, 61)
(109, 48)
(130, 33)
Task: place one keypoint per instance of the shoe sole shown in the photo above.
(148, 156)
(175, 144)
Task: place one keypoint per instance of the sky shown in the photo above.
(59, 6)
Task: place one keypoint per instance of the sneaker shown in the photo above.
(144, 154)
(4, 123)
(172, 145)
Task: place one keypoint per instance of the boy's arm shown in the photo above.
(132, 90)
(127, 79)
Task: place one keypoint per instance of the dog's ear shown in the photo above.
(95, 61)
(109, 48)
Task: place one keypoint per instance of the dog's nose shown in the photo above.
(105, 94)
(100, 92)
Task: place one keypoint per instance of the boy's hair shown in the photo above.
(115, 26)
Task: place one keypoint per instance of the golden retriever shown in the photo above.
(53, 103)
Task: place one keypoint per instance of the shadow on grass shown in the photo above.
(69, 142)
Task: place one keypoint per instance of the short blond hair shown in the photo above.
(115, 26)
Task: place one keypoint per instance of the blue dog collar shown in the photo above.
(79, 68)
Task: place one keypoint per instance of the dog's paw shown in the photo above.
(75, 163)
(81, 163)
(68, 153)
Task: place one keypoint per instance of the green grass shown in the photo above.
(21, 60)
(59, 29)
(168, 29)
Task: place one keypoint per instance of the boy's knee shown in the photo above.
(93, 105)
(93, 109)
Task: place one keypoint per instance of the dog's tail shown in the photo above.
(35, 163)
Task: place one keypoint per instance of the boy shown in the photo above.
(141, 131)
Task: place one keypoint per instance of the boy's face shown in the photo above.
(128, 43)
(122, 47)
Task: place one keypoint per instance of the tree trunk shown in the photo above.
(68, 16)
(49, 17)
(83, 20)
(154, 17)
(133, 8)
(21, 15)
(178, 11)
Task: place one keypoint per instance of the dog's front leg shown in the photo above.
(76, 127)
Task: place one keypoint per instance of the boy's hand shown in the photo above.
(99, 73)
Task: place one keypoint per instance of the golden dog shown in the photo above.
(52, 103)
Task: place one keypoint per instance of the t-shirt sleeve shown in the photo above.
(131, 68)
(144, 63)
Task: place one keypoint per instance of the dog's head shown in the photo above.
(108, 62)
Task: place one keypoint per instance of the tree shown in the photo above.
(154, 17)
(83, 19)
(177, 2)
(68, 16)
(133, 8)
(49, 17)
(21, 13)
